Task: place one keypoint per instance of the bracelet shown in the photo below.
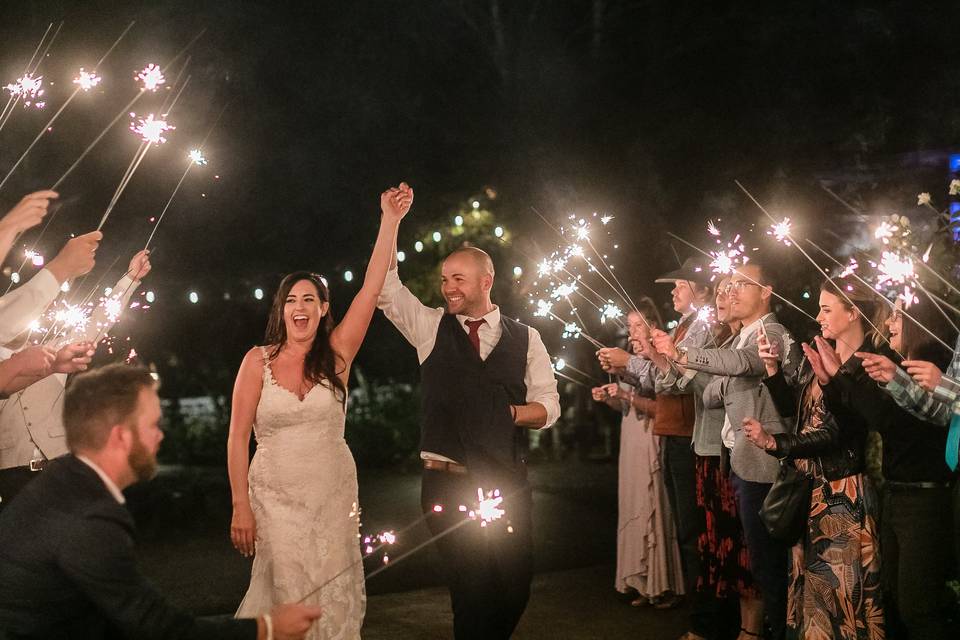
(268, 623)
(513, 412)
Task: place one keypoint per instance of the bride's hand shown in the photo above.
(396, 201)
(243, 530)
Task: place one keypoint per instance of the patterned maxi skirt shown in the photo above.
(835, 574)
(724, 561)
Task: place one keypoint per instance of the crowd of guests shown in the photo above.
(728, 405)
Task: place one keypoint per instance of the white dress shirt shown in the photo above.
(24, 304)
(31, 420)
(728, 434)
(111, 485)
(419, 324)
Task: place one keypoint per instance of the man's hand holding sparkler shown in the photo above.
(139, 265)
(76, 258)
(663, 351)
(36, 361)
(613, 360)
(880, 368)
(73, 357)
(926, 374)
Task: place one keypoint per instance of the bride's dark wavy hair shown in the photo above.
(322, 364)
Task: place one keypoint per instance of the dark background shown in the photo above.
(646, 110)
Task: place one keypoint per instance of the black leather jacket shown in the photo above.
(839, 445)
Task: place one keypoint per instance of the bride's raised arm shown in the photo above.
(348, 335)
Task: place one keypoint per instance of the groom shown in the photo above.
(484, 379)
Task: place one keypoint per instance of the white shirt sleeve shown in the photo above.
(417, 322)
(539, 378)
(25, 304)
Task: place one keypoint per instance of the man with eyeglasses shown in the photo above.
(752, 470)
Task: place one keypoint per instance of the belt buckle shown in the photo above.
(37, 464)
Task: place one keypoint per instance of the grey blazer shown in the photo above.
(739, 391)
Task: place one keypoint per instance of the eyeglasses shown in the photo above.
(735, 287)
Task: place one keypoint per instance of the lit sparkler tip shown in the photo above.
(151, 76)
(781, 231)
(705, 314)
(559, 364)
(544, 308)
(605, 219)
(610, 311)
(29, 89)
(488, 506)
(712, 228)
(438, 508)
(197, 157)
(151, 129)
(87, 79)
(571, 330)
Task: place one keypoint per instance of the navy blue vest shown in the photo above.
(466, 401)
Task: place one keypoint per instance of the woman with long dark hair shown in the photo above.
(295, 504)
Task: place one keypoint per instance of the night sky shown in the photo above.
(646, 110)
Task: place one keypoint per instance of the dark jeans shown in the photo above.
(768, 556)
(915, 540)
(680, 474)
(488, 569)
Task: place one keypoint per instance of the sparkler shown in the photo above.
(13, 99)
(781, 231)
(29, 89)
(561, 364)
(87, 80)
(884, 298)
(151, 77)
(810, 259)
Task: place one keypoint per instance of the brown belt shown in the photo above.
(443, 465)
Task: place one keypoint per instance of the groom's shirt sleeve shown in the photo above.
(22, 306)
(417, 322)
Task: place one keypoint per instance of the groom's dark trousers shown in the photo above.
(488, 569)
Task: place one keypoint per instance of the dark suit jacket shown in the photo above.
(68, 570)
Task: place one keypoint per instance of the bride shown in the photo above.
(295, 505)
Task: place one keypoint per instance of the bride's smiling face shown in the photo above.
(302, 311)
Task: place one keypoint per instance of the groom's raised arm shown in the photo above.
(417, 322)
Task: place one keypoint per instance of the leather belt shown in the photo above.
(893, 484)
(443, 465)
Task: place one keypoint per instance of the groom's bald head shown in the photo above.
(481, 258)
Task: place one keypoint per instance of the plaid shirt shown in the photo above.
(937, 406)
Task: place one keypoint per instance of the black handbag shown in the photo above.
(787, 506)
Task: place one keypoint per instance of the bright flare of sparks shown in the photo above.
(197, 157)
(850, 268)
(571, 330)
(72, 317)
(605, 219)
(723, 261)
(488, 507)
(151, 77)
(705, 314)
(712, 228)
(544, 308)
(35, 258)
(29, 89)
(610, 311)
(87, 79)
(894, 268)
(112, 307)
(563, 291)
(544, 268)
(150, 129)
(781, 231)
(884, 232)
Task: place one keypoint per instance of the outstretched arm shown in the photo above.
(348, 336)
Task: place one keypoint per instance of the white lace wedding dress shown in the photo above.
(303, 491)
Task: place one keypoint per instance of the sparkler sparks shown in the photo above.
(781, 231)
(488, 507)
(571, 331)
(29, 89)
(35, 258)
(197, 157)
(544, 309)
(72, 317)
(705, 314)
(151, 77)
(87, 79)
(610, 311)
(112, 307)
(150, 129)
(712, 228)
(605, 219)
(563, 291)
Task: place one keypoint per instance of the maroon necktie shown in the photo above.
(474, 326)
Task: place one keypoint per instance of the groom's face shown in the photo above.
(464, 285)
